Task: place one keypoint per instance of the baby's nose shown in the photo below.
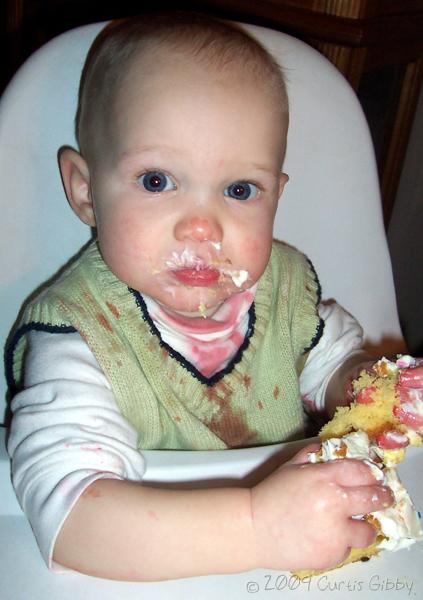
(199, 229)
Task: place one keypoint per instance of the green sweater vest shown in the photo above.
(255, 401)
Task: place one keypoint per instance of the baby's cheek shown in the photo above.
(256, 252)
(252, 246)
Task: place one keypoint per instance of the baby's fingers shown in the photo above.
(366, 499)
(412, 378)
(351, 472)
(361, 534)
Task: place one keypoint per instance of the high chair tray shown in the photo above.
(24, 576)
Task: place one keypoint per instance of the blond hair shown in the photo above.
(216, 44)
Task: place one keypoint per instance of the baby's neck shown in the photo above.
(207, 342)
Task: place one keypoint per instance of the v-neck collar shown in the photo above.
(183, 361)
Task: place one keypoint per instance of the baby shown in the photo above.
(183, 325)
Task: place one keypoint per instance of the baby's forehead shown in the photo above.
(160, 59)
(169, 87)
(116, 73)
(166, 67)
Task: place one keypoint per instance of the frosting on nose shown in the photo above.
(198, 229)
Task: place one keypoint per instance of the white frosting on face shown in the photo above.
(216, 245)
(186, 258)
(238, 277)
(399, 522)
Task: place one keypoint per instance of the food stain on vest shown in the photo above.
(247, 381)
(113, 309)
(89, 298)
(228, 424)
(276, 392)
(104, 322)
(260, 405)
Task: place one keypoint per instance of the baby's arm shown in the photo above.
(299, 517)
(66, 432)
(128, 531)
(334, 362)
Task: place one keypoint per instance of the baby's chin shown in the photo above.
(195, 302)
(202, 311)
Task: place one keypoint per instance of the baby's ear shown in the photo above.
(76, 181)
(283, 180)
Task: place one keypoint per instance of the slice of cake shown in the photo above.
(377, 427)
(378, 410)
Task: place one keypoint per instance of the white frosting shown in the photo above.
(238, 277)
(405, 361)
(385, 366)
(399, 522)
(186, 258)
(353, 445)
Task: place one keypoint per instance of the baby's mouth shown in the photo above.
(197, 276)
(212, 269)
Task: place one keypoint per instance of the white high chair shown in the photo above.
(330, 210)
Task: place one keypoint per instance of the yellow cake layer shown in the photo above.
(355, 554)
(374, 417)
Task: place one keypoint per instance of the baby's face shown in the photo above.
(185, 197)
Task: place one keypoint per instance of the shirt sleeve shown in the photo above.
(66, 432)
(342, 337)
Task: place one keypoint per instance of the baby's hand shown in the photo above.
(410, 389)
(302, 512)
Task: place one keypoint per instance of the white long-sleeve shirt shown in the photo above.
(67, 430)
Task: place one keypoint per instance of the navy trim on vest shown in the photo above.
(209, 381)
(11, 347)
(320, 327)
(316, 337)
(316, 279)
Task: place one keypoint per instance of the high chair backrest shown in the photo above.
(330, 209)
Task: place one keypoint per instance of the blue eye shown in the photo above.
(241, 190)
(156, 181)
